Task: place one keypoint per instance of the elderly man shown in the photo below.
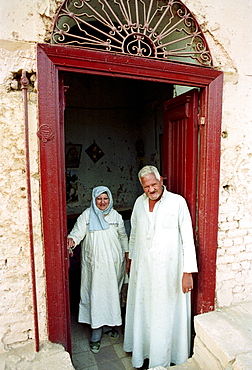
(162, 256)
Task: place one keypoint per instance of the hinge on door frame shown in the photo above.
(201, 120)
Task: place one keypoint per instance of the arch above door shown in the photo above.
(53, 59)
(163, 29)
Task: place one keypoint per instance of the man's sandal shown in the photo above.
(95, 346)
(112, 333)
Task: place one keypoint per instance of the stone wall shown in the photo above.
(226, 25)
(16, 291)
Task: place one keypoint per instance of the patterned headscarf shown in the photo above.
(96, 219)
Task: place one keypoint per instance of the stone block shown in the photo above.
(234, 232)
(227, 242)
(237, 289)
(243, 362)
(204, 358)
(224, 294)
(226, 333)
(246, 222)
(236, 266)
(223, 260)
(246, 265)
(50, 356)
(2, 364)
(226, 275)
(248, 246)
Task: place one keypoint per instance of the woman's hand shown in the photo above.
(70, 245)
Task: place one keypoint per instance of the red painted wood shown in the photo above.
(53, 204)
(180, 166)
(117, 65)
(51, 60)
(180, 147)
(208, 194)
(62, 186)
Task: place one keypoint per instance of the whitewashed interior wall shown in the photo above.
(116, 113)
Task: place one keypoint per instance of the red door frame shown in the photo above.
(51, 60)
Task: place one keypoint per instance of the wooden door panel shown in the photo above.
(180, 147)
(180, 153)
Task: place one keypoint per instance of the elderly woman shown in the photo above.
(101, 230)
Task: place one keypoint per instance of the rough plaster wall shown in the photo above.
(16, 304)
(29, 21)
(227, 27)
(15, 270)
(15, 274)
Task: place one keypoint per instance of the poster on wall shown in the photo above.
(72, 186)
(73, 154)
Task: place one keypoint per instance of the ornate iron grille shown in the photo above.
(163, 29)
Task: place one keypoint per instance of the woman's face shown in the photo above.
(102, 201)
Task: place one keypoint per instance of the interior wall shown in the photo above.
(124, 118)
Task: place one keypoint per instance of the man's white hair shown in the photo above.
(146, 170)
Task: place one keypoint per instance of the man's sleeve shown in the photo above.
(186, 230)
(133, 222)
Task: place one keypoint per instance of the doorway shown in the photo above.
(126, 125)
(52, 61)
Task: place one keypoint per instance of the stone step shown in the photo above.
(190, 364)
(224, 338)
(51, 356)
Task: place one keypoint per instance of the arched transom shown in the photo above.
(163, 29)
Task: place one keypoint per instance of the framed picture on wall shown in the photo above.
(94, 152)
(73, 154)
(71, 186)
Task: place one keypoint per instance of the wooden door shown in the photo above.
(180, 147)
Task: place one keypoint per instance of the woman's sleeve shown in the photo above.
(79, 230)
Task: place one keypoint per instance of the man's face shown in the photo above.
(152, 186)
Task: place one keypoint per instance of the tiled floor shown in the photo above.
(110, 357)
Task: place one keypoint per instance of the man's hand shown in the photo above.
(187, 282)
(128, 263)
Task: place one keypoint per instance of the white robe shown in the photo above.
(102, 269)
(158, 312)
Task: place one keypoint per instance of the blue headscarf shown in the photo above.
(96, 219)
